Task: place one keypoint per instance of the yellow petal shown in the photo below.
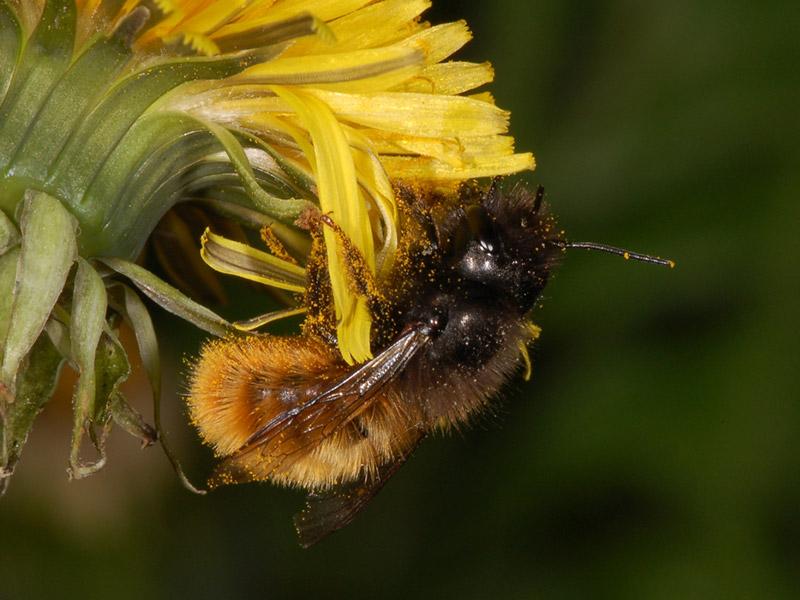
(430, 169)
(450, 78)
(200, 43)
(526, 361)
(260, 15)
(257, 9)
(449, 150)
(234, 258)
(299, 26)
(336, 68)
(339, 197)
(373, 179)
(440, 41)
(213, 16)
(486, 97)
(161, 29)
(87, 8)
(418, 114)
(379, 24)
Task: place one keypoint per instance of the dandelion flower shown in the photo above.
(112, 112)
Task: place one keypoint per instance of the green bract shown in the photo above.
(90, 161)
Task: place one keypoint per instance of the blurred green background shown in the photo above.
(655, 453)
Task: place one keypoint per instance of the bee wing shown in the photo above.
(302, 427)
(327, 512)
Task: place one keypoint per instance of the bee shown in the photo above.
(451, 327)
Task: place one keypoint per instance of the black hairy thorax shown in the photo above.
(471, 268)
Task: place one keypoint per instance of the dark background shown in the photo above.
(655, 453)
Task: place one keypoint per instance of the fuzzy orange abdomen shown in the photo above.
(241, 385)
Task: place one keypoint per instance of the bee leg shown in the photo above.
(320, 321)
(360, 275)
(275, 246)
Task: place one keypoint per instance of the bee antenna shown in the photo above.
(626, 254)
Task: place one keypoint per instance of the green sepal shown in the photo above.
(131, 421)
(113, 369)
(217, 175)
(35, 387)
(139, 318)
(8, 275)
(123, 205)
(103, 129)
(286, 210)
(49, 248)
(299, 178)
(10, 46)
(58, 332)
(89, 306)
(169, 298)
(83, 85)
(9, 237)
(262, 320)
(46, 56)
(217, 178)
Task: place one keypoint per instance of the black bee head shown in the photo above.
(506, 242)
